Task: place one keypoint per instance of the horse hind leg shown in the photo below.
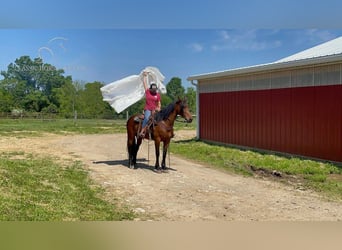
(130, 149)
(137, 143)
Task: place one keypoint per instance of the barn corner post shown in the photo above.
(197, 109)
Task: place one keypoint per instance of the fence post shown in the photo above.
(75, 116)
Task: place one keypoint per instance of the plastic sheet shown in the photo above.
(125, 92)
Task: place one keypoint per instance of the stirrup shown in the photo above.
(142, 132)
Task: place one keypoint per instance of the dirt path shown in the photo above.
(189, 192)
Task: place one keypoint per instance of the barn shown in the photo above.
(292, 106)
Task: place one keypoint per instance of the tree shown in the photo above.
(191, 97)
(6, 101)
(31, 83)
(136, 108)
(35, 101)
(67, 98)
(175, 89)
(23, 69)
(92, 103)
(16, 90)
(165, 100)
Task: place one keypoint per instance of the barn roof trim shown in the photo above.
(330, 51)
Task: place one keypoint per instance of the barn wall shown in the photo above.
(298, 120)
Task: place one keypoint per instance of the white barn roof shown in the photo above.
(332, 47)
(324, 53)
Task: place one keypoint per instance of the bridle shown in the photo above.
(182, 121)
(182, 108)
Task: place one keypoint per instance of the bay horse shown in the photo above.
(161, 131)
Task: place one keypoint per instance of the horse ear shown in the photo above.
(182, 100)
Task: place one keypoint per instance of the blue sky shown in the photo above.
(108, 40)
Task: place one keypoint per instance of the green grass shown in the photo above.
(315, 175)
(33, 188)
(181, 125)
(34, 127)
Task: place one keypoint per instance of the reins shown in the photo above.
(182, 121)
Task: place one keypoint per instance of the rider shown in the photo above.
(152, 103)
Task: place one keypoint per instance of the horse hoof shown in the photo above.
(157, 170)
(165, 170)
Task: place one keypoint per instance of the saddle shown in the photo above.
(151, 123)
(139, 118)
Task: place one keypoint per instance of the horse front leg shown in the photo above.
(165, 147)
(157, 145)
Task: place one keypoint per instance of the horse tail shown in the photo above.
(131, 133)
(133, 142)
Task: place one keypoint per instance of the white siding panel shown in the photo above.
(298, 77)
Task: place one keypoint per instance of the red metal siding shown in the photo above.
(305, 120)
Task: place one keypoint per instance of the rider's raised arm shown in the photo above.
(145, 81)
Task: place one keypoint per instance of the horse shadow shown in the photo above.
(142, 163)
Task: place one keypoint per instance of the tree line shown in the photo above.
(30, 85)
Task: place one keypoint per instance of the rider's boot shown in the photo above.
(143, 132)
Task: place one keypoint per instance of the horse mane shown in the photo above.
(165, 112)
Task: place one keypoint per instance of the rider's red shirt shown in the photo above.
(151, 100)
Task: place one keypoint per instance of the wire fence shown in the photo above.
(56, 115)
(51, 116)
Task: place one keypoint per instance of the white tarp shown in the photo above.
(125, 92)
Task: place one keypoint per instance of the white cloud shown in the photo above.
(315, 36)
(224, 34)
(196, 47)
(242, 40)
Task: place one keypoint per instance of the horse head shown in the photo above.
(183, 110)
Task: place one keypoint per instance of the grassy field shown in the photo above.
(35, 127)
(36, 188)
(33, 188)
